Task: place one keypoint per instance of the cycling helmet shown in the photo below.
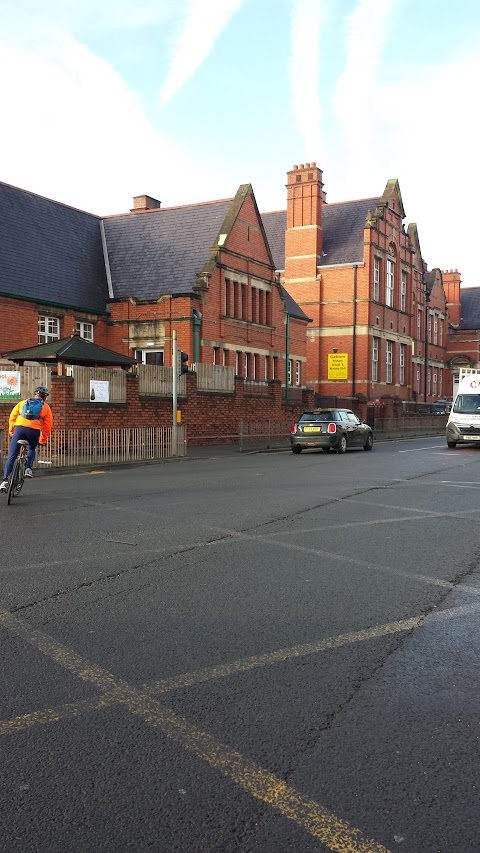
(42, 391)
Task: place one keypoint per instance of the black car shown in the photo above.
(327, 428)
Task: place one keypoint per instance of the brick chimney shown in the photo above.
(304, 235)
(144, 202)
(451, 285)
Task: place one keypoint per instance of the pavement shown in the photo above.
(221, 451)
(208, 451)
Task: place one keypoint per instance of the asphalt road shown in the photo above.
(244, 653)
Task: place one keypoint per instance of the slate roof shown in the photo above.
(291, 306)
(470, 308)
(343, 226)
(163, 250)
(72, 350)
(51, 253)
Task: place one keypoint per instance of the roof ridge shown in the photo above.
(353, 200)
(51, 200)
(328, 204)
(163, 209)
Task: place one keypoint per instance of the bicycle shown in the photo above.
(17, 477)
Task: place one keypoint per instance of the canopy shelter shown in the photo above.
(73, 350)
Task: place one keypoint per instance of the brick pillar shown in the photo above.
(61, 400)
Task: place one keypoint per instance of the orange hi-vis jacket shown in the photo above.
(44, 423)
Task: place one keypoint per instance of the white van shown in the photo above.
(463, 425)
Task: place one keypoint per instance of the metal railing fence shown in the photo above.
(70, 448)
(267, 433)
(257, 388)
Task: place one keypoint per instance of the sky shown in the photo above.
(184, 100)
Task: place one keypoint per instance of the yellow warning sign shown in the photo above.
(338, 365)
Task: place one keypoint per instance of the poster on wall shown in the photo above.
(9, 384)
(338, 365)
(99, 391)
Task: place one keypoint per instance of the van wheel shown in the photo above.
(451, 444)
(296, 449)
(342, 445)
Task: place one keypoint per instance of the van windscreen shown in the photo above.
(467, 404)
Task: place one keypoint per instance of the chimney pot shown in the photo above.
(295, 167)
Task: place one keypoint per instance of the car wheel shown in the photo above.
(342, 445)
(451, 444)
(369, 442)
(296, 449)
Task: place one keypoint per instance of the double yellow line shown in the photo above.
(321, 824)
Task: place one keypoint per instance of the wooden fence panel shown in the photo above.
(215, 377)
(154, 379)
(31, 376)
(115, 376)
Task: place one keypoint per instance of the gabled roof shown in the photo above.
(469, 308)
(392, 188)
(51, 253)
(291, 306)
(73, 350)
(161, 251)
(342, 223)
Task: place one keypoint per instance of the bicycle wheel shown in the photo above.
(12, 486)
(22, 464)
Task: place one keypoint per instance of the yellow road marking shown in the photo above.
(242, 665)
(321, 824)
(211, 673)
(54, 715)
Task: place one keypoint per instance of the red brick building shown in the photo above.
(378, 316)
(336, 296)
(463, 346)
(206, 271)
(128, 282)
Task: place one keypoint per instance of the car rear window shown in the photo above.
(323, 417)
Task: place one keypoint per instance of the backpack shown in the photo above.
(31, 409)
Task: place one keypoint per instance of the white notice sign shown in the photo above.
(99, 391)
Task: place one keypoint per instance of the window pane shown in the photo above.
(48, 329)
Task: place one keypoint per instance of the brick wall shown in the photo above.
(205, 414)
(19, 323)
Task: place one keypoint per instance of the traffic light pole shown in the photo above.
(174, 392)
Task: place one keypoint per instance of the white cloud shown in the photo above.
(431, 142)
(89, 15)
(73, 131)
(204, 23)
(304, 73)
(366, 31)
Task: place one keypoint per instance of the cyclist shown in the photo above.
(34, 431)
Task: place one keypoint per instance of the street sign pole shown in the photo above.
(174, 392)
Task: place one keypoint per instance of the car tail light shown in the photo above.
(332, 428)
(293, 429)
